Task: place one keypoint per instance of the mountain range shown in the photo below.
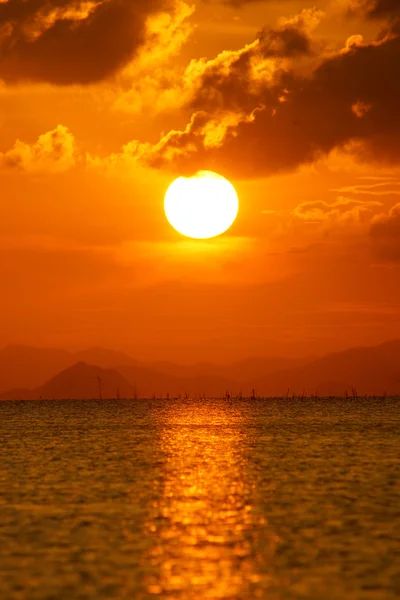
(31, 373)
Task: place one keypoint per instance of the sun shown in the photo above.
(202, 206)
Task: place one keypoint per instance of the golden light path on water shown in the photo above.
(205, 545)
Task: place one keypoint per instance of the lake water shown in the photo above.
(199, 500)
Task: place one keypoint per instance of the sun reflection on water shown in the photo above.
(205, 533)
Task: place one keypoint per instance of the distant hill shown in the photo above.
(60, 374)
(148, 382)
(28, 367)
(245, 370)
(102, 357)
(25, 367)
(80, 382)
(369, 370)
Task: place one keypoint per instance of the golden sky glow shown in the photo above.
(104, 104)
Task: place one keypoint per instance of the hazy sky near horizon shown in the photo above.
(104, 102)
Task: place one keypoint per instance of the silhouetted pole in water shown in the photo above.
(100, 388)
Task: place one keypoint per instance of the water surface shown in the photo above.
(200, 500)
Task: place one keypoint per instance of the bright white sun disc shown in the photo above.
(201, 206)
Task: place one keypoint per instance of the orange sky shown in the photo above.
(104, 102)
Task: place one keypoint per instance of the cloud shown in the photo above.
(229, 90)
(385, 234)
(244, 79)
(283, 117)
(360, 109)
(374, 8)
(54, 151)
(71, 41)
(160, 88)
(150, 81)
(240, 3)
(389, 187)
(343, 209)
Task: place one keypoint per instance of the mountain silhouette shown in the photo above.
(368, 370)
(148, 382)
(80, 382)
(29, 367)
(245, 370)
(32, 373)
(25, 367)
(102, 357)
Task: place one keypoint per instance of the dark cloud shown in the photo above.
(70, 41)
(385, 234)
(292, 119)
(285, 42)
(229, 82)
(375, 8)
(239, 3)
